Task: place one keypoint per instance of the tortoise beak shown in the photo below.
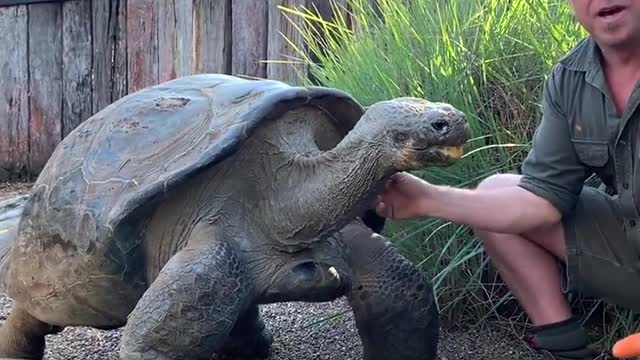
(412, 158)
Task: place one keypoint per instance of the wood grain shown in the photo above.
(24, 2)
(45, 81)
(120, 77)
(212, 36)
(142, 44)
(14, 101)
(175, 38)
(106, 20)
(249, 38)
(77, 64)
(283, 59)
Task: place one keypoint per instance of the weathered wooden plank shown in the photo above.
(175, 38)
(25, 2)
(14, 101)
(120, 78)
(249, 40)
(45, 82)
(284, 61)
(212, 36)
(105, 24)
(142, 44)
(77, 64)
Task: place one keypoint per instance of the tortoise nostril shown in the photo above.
(440, 125)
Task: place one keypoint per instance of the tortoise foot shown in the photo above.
(249, 339)
(257, 347)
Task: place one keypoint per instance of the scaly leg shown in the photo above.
(192, 306)
(23, 337)
(392, 301)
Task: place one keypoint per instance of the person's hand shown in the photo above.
(404, 197)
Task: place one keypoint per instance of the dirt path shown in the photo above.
(295, 327)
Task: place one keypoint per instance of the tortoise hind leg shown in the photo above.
(249, 338)
(392, 300)
(22, 336)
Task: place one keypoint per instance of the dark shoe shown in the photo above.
(565, 340)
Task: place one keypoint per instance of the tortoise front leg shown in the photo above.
(190, 309)
(392, 301)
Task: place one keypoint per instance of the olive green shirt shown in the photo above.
(580, 134)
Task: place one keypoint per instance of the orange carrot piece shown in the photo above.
(627, 347)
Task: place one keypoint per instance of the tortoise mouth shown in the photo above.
(443, 153)
(452, 152)
(415, 158)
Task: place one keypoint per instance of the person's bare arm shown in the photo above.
(506, 210)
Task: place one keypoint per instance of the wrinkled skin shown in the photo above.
(278, 220)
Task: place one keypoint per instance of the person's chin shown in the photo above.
(615, 34)
(619, 39)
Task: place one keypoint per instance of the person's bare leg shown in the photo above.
(528, 264)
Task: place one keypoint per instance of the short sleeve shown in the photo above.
(552, 169)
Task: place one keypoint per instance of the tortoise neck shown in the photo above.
(333, 187)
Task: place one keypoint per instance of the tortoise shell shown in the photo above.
(95, 188)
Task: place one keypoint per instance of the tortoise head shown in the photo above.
(414, 133)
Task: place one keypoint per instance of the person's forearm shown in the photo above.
(505, 210)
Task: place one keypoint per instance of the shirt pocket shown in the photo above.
(593, 153)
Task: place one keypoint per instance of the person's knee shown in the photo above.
(485, 237)
(550, 237)
(498, 181)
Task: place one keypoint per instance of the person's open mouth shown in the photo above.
(611, 12)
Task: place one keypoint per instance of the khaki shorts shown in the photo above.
(603, 257)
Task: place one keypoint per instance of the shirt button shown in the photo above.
(625, 186)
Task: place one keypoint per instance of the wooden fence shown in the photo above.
(62, 61)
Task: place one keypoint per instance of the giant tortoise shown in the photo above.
(177, 210)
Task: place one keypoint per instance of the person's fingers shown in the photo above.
(376, 200)
(397, 178)
(389, 184)
(382, 209)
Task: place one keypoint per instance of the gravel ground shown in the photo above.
(295, 337)
(9, 189)
(295, 334)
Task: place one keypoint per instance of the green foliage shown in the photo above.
(489, 58)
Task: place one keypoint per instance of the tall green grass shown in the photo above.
(488, 58)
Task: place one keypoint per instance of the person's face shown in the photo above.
(611, 23)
